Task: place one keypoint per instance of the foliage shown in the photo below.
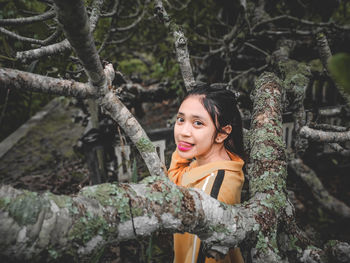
(339, 66)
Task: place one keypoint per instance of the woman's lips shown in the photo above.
(184, 146)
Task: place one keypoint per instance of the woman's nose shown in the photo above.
(186, 129)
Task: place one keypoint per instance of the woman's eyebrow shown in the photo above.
(192, 116)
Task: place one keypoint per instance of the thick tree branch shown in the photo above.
(81, 40)
(130, 92)
(296, 80)
(326, 200)
(76, 26)
(16, 79)
(268, 164)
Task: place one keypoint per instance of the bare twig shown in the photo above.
(21, 38)
(133, 24)
(299, 21)
(113, 10)
(28, 20)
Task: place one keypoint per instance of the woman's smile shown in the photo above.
(184, 146)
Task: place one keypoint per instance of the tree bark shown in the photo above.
(21, 80)
(180, 40)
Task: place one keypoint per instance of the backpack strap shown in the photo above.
(213, 193)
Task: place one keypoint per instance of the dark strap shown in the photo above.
(213, 193)
(217, 184)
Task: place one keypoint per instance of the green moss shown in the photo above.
(25, 208)
(276, 201)
(110, 195)
(218, 228)
(296, 75)
(53, 253)
(62, 201)
(4, 202)
(88, 227)
(145, 145)
(261, 243)
(269, 181)
(293, 244)
(316, 65)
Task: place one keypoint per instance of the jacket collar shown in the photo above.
(197, 173)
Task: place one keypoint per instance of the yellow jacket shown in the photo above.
(222, 180)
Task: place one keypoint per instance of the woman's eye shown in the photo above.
(197, 123)
(179, 119)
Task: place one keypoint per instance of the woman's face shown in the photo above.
(194, 130)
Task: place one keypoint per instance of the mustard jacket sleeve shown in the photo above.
(177, 168)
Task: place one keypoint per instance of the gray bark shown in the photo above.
(16, 79)
(324, 136)
(75, 23)
(81, 40)
(180, 44)
(325, 54)
(27, 20)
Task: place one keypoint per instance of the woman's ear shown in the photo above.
(225, 131)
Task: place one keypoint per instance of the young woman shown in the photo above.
(209, 153)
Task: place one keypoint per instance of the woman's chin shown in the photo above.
(185, 154)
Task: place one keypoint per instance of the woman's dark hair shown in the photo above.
(221, 105)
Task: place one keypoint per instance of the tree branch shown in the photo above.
(326, 200)
(16, 79)
(339, 149)
(20, 38)
(180, 44)
(28, 20)
(325, 54)
(57, 47)
(324, 136)
(133, 24)
(43, 51)
(75, 23)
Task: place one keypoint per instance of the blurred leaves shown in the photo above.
(339, 67)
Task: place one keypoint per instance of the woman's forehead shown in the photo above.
(193, 106)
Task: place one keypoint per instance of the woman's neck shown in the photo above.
(217, 153)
